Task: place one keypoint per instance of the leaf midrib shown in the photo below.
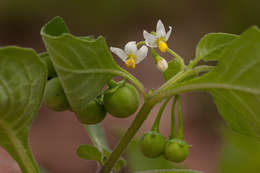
(18, 148)
(205, 86)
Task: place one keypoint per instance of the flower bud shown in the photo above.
(162, 64)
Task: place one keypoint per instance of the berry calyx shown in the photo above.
(152, 144)
(176, 150)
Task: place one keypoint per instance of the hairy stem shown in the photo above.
(178, 57)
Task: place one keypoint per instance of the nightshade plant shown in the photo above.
(79, 71)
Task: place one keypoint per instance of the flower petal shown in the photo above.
(141, 54)
(168, 33)
(150, 39)
(160, 30)
(130, 47)
(119, 52)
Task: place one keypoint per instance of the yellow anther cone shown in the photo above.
(163, 46)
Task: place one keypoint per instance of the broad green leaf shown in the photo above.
(239, 153)
(89, 152)
(22, 81)
(170, 171)
(234, 84)
(211, 45)
(84, 66)
(173, 68)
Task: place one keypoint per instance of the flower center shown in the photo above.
(162, 45)
(130, 62)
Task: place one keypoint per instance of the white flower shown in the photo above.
(130, 55)
(159, 38)
(162, 65)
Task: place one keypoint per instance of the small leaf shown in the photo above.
(97, 137)
(84, 66)
(170, 171)
(22, 81)
(173, 68)
(211, 45)
(89, 152)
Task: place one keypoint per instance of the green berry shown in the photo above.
(123, 102)
(55, 97)
(176, 150)
(152, 144)
(93, 113)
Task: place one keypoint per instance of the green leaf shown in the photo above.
(97, 137)
(234, 84)
(89, 152)
(174, 67)
(239, 153)
(119, 165)
(211, 45)
(170, 171)
(22, 81)
(84, 66)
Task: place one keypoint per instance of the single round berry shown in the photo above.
(152, 144)
(176, 150)
(55, 97)
(123, 102)
(93, 113)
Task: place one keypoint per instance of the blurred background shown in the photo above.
(55, 136)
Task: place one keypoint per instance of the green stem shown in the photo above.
(159, 115)
(111, 83)
(180, 121)
(178, 57)
(193, 63)
(133, 80)
(173, 134)
(155, 55)
(140, 118)
(183, 75)
(140, 43)
(203, 68)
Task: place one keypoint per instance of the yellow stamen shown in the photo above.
(163, 46)
(133, 63)
(127, 63)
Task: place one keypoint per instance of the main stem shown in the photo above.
(140, 118)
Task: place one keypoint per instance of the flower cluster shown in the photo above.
(133, 55)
